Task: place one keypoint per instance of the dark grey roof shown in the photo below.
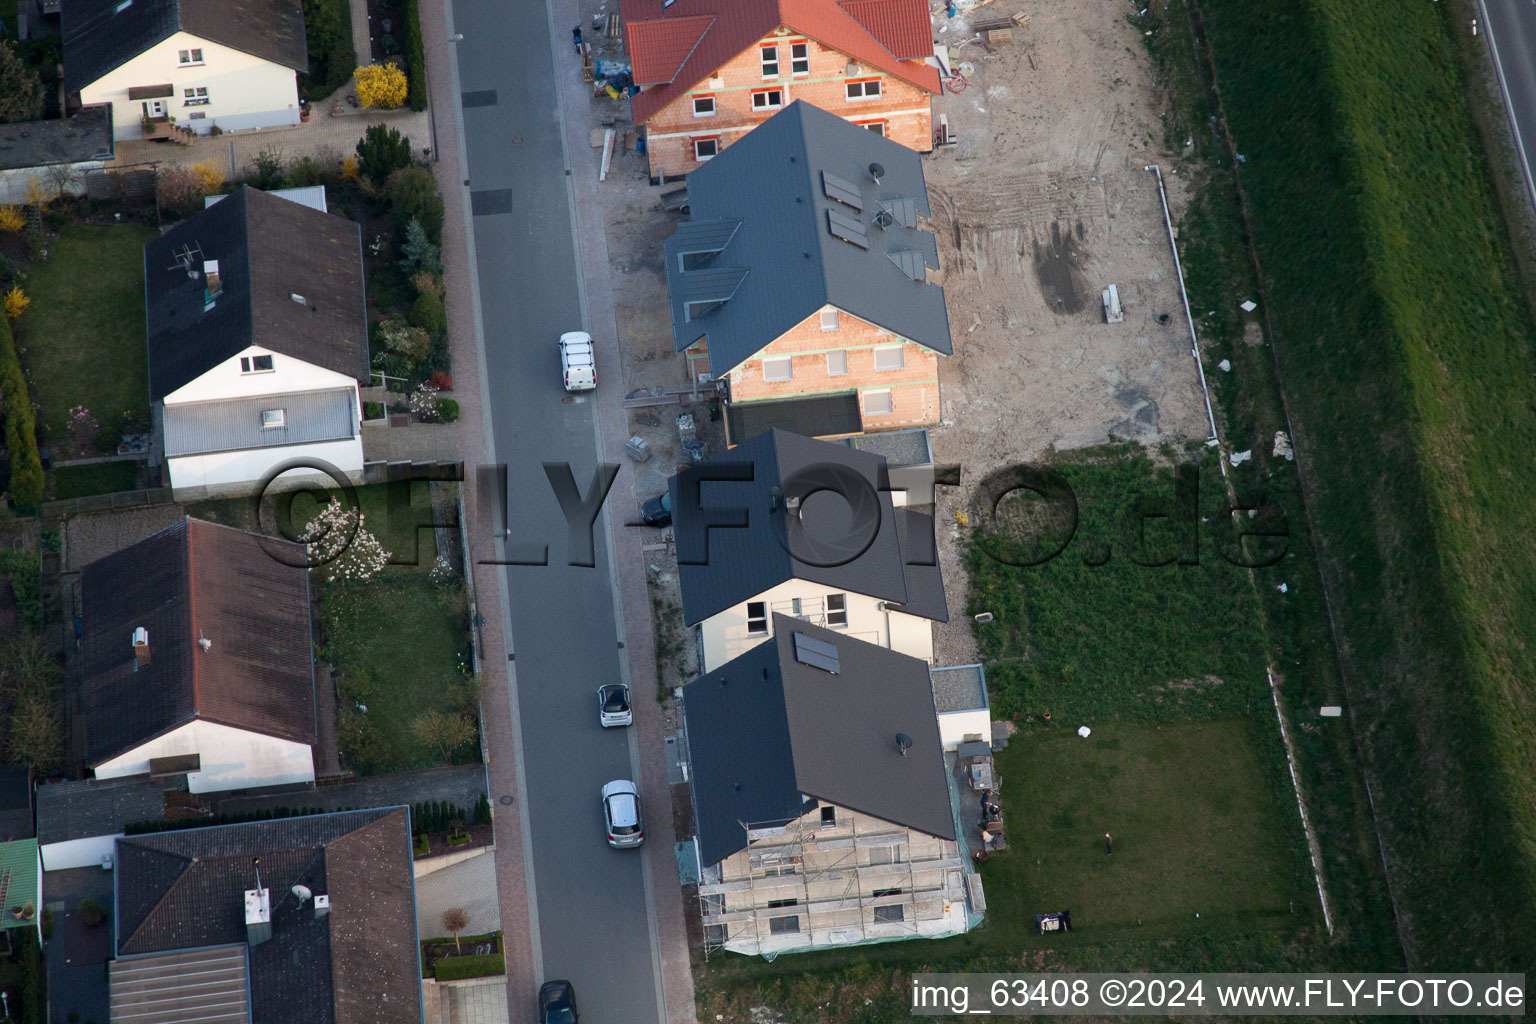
(920, 560)
(765, 730)
(898, 447)
(360, 964)
(15, 803)
(269, 249)
(235, 424)
(192, 581)
(723, 566)
(810, 416)
(98, 36)
(763, 210)
(73, 140)
(959, 688)
(202, 985)
(95, 807)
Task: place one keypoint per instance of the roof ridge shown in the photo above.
(197, 702)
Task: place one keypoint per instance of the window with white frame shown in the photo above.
(799, 59)
(272, 419)
(888, 358)
(837, 363)
(197, 97)
(885, 855)
(255, 364)
(837, 610)
(770, 55)
(864, 89)
(877, 403)
(757, 617)
(889, 914)
(778, 368)
(767, 99)
(878, 127)
(704, 106)
(187, 57)
(706, 148)
(829, 319)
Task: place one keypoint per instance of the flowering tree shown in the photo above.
(82, 427)
(16, 302)
(425, 404)
(341, 550)
(381, 85)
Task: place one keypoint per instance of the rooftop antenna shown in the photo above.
(773, 498)
(256, 864)
(185, 257)
(903, 743)
(877, 172)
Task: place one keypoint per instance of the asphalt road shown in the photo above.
(592, 922)
(1510, 27)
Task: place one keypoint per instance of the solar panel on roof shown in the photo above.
(845, 227)
(910, 262)
(842, 190)
(816, 653)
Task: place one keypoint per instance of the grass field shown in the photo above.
(82, 340)
(100, 478)
(1407, 353)
(1091, 634)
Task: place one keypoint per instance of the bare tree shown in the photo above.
(454, 922)
(444, 731)
(35, 732)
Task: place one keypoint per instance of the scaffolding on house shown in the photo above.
(777, 851)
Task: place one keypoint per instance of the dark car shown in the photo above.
(657, 511)
(557, 1003)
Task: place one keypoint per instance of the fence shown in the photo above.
(106, 502)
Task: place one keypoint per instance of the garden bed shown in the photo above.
(472, 956)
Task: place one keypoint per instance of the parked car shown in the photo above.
(578, 361)
(613, 706)
(657, 511)
(621, 812)
(557, 1003)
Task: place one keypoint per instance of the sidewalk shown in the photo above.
(465, 344)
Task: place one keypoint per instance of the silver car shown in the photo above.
(622, 814)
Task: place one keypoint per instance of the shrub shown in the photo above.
(382, 151)
(349, 168)
(305, 172)
(412, 194)
(373, 410)
(427, 407)
(342, 545)
(423, 281)
(403, 339)
(265, 169)
(418, 251)
(483, 810)
(178, 191)
(381, 85)
(447, 410)
(91, 912)
(16, 302)
(452, 968)
(21, 88)
(441, 381)
(110, 435)
(429, 315)
(208, 175)
(415, 56)
(12, 219)
(26, 484)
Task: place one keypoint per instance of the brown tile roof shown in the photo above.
(890, 35)
(360, 964)
(197, 580)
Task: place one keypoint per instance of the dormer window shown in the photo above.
(255, 364)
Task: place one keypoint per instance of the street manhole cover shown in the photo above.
(517, 140)
(567, 400)
(506, 801)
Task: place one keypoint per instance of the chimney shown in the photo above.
(322, 906)
(140, 647)
(212, 283)
(258, 915)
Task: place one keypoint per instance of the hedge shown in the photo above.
(453, 968)
(26, 483)
(415, 58)
(209, 820)
(24, 570)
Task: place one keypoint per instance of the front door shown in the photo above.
(154, 109)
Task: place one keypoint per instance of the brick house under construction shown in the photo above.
(710, 72)
(822, 802)
(806, 280)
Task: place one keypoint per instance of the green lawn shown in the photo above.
(1090, 639)
(100, 478)
(1188, 839)
(82, 340)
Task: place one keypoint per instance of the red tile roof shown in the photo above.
(670, 43)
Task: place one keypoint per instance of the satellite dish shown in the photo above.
(301, 893)
(877, 172)
(883, 220)
(903, 743)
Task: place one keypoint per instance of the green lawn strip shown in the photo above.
(99, 478)
(1188, 839)
(1407, 355)
(82, 339)
(397, 641)
(1086, 642)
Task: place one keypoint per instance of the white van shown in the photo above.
(578, 361)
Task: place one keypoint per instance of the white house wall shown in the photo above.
(955, 726)
(243, 91)
(77, 853)
(14, 183)
(287, 374)
(238, 474)
(725, 635)
(231, 758)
